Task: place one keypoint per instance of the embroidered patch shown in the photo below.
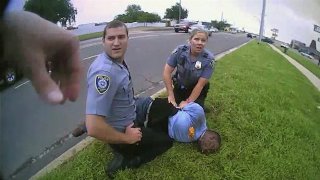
(212, 62)
(191, 132)
(102, 83)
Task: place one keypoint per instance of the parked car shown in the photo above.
(184, 26)
(200, 26)
(9, 72)
(283, 45)
(306, 55)
(72, 27)
(213, 29)
(267, 40)
(249, 35)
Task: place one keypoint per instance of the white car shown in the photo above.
(284, 46)
(200, 26)
(306, 55)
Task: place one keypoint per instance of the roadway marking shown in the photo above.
(98, 43)
(89, 57)
(21, 84)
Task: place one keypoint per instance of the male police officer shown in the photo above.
(194, 66)
(110, 108)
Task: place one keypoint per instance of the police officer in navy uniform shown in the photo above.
(111, 108)
(194, 65)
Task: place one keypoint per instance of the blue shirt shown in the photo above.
(110, 92)
(189, 71)
(192, 115)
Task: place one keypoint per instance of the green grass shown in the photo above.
(90, 36)
(266, 112)
(314, 68)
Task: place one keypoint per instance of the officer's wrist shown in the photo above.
(189, 100)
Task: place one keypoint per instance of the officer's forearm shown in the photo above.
(195, 93)
(167, 79)
(99, 129)
(197, 89)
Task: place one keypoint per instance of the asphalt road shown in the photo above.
(34, 133)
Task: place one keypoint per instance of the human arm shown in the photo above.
(168, 82)
(197, 89)
(99, 129)
(31, 41)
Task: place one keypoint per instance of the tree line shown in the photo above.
(64, 12)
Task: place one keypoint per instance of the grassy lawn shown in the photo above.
(266, 112)
(314, 68)
(90, 36)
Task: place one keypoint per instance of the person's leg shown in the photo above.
(142, 106)
(159, 114)
(153, 144)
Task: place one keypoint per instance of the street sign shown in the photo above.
(316, 28)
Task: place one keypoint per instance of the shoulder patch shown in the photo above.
(102, 83)
(212, 62)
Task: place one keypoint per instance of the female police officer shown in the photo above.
(194, 66)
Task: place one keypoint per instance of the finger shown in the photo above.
(131, 125)
(69, 69)
(74, 68)
(41, 80)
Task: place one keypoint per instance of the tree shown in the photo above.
(53, 10)
(173, 12)
(221, 25)
(133, 13)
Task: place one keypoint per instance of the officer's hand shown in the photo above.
(183, 104)
(133, 134)
(31, 41)
(172, 100)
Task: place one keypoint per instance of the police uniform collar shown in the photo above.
(114, 61)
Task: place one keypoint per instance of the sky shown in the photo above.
(294, 19)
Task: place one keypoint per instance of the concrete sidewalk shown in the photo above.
(312, 78)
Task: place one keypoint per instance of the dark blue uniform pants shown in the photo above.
(155, 139)
(182, 94)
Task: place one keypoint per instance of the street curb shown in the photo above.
(88, 140)
(309, 75)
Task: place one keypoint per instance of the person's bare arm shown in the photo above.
(197, 89)
(31, 41)
(168, 82)
(99, 129)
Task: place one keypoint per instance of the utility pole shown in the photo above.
(222, 16)
(262, 20)
(179, 11)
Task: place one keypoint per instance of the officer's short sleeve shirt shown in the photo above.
(110, 92)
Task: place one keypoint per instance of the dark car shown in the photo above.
(184, 26)
(267, 40)
(249, 35)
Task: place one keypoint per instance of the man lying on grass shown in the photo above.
(184, 124)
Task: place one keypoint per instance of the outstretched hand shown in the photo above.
(31, 42)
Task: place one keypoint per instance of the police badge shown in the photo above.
(198, 65)
(102, 83)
